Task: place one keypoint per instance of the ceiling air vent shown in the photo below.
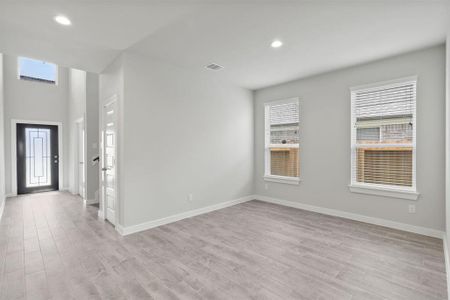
(214, 67)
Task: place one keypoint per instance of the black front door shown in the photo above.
(37, 158)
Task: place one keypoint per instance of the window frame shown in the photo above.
(267, 170)
(395, 191)
(32, 79)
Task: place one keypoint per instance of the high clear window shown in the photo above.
(282, 139)
(37, 70)
(383, 135)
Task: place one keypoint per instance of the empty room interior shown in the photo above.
(209, 149)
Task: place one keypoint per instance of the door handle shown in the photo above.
(106, 169)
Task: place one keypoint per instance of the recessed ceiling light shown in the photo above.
(276, 44)
(63, 20)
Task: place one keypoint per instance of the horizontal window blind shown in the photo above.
(383, 135)
(282, 138)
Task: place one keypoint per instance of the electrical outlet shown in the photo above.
(412, 208)
(190, 197)
(266, 186)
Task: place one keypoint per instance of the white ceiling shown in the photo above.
(318, 35)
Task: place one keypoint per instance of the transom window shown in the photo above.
(384, 135)
(282, 141)
(37, 70)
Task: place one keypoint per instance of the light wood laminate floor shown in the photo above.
(51, 247)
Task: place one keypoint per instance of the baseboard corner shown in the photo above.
(121, 230)
(90, 201)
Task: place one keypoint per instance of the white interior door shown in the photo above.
(109, 161)
(81, 161)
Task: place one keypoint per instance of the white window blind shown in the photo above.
(282, 138)
(383, 135)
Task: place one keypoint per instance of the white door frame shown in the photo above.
(76, 174)
(103, 207)
(14, 123)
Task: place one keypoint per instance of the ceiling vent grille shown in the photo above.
(214, 67)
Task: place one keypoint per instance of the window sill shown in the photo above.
(282, 179)
(383, 191)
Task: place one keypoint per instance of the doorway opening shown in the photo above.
(79, 159)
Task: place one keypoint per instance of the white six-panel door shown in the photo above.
(109, 160)
(81, 160)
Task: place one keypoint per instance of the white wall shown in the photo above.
(182, 132)
(325, 139)
(27, 100)
(92, 135)
(2, 137)
(447, 142)
(76, 110)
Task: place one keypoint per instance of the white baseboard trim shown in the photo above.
(122, 231)
(10, 195)
(447, 263)
(356, 217)
(101, 214)
(90, 201)
(174, 218)
(2, 205)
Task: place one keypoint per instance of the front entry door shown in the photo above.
(37, 158)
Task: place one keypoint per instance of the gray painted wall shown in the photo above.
(27, 100)
(2, 136)
(325, 139)
(447, 142)
(183, 132)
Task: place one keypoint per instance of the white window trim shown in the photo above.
(386, 191)
(267, 176)
(409, 193)
(282, 179)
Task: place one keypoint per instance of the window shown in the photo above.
(383, 136)
(282, 141)
(36, 70)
